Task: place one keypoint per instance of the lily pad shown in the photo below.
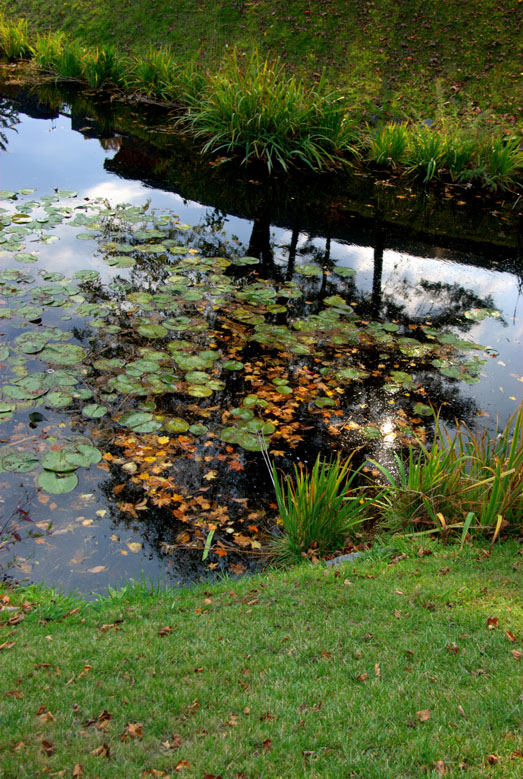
(57, 484)
(19, 462)
(119, 260)
(94, 411)
(63, 354)
(176, 425)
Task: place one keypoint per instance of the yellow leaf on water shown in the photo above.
(134, 546)
(97, 569)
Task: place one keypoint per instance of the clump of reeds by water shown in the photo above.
(250, 108)
(467, 480)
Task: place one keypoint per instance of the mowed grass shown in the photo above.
(407, 667)
(393, 59)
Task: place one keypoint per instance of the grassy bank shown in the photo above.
(390, 58)
(404, 667)
(242, 105)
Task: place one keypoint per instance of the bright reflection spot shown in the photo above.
(387, 430)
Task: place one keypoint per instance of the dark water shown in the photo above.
(418, 257)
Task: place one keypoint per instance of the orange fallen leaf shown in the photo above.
(102, 751)
(181, 764)
(511, 637)
(362, 677)
(78, 771)
(165, 631)
(423, 715)
(515, 654)
(133, 730)
(492, 623)
(7, 645)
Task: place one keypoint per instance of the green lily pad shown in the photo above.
(57, 484)
(120, 261)
(198, 430)
(26, 257)
(63, 354)
(58, 399)
(309, 270)
(199, 391)
(152, 330)
(94, 411)
(19, 462)
(140, 421)
(324, 402)
(233, 365)
(246, 261)
(176, 425)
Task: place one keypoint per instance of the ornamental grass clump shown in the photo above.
(467, 480)
(318, 509)
(254, 110)
(14, 39)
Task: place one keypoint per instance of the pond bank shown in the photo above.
(249, 109)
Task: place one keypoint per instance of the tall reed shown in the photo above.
(318, 509)
(14, 39)
(252, 109)
(468, 474)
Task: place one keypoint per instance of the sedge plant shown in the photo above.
(254, 110)
(464, 481)
(318, 509)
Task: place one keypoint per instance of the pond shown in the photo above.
(164, 319)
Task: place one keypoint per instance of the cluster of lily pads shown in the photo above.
(151, 327)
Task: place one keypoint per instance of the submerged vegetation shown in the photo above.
(251, 109)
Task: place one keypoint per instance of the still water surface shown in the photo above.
(400, 275)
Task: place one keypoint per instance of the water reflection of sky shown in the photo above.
(47, 154)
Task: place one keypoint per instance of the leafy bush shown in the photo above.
(14, 39)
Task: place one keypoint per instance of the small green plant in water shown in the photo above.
(318, 509)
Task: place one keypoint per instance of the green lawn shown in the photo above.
(402, 668)
(399, 59)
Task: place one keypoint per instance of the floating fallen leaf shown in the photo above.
(97, 569)
(134, 546)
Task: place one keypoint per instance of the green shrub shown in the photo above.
(103, 67)
(501, 161)
(318, 509)
(425, 153)
(48, 50)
